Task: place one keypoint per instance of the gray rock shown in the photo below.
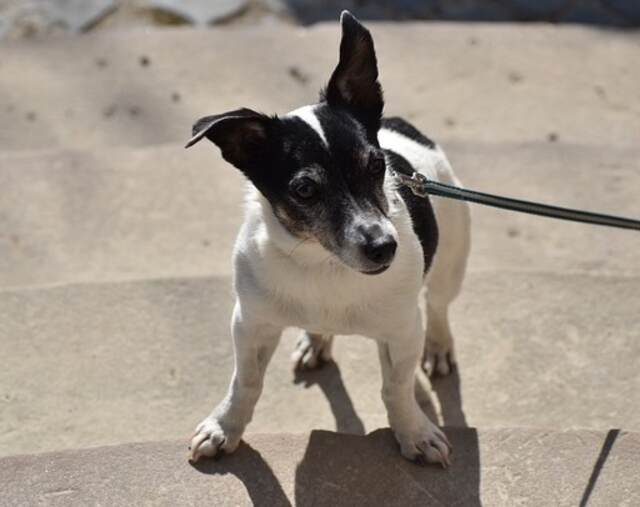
(201, 12)
(25, 20)
(76, 15)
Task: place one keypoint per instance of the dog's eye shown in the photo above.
(377, 165)
(305, 188)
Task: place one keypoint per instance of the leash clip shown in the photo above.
(417, 182)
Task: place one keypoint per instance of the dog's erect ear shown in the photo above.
(243, 135)
(354, 82)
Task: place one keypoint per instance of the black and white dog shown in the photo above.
(331, 245)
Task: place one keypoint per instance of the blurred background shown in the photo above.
(115, 243)
(29, 17)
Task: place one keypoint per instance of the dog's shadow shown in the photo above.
(376, 470)
(253, 471)
(345, 468)
(329, 379)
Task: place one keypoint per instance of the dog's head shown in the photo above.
(321, 167)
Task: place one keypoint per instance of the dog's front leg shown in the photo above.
(254, 344)
(420, 440)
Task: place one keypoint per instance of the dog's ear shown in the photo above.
(243, 136)
(354, 82)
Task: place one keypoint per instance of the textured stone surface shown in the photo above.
(95, 364)
(482, 83)
(490, 467)
(113, 214)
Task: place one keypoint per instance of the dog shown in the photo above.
(331, 244)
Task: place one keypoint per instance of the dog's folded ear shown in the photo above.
(354, 82)
(242, 135)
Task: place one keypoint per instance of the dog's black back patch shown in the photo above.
(420, 209)
(406, 129)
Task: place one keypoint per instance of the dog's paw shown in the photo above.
(210, 439)
(429, 445)
(438, 358)
(312, 351)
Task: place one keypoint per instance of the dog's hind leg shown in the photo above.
(254, 344)
(444, 283)
(312, 351)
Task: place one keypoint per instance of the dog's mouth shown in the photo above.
(376, 271)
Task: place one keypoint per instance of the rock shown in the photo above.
(76, 15)
(201, 12)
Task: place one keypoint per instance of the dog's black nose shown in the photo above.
(381, 249)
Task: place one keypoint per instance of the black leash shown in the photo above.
(421, 186)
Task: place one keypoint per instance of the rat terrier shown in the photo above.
(332, 245)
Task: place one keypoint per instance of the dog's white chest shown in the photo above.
(330, 299)
(326, 304)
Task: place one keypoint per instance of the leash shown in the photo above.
(422, 186)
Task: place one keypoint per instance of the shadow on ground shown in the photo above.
(329, 379)
(337, 466)
(343, 467)
(328, 472)
(338, 469)
(248, 466)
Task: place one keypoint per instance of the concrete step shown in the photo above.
(485, 82)
(113, 214)
(96, 364)
(503, 467)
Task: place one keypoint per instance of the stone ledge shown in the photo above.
(494, 467)
(100, 364)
